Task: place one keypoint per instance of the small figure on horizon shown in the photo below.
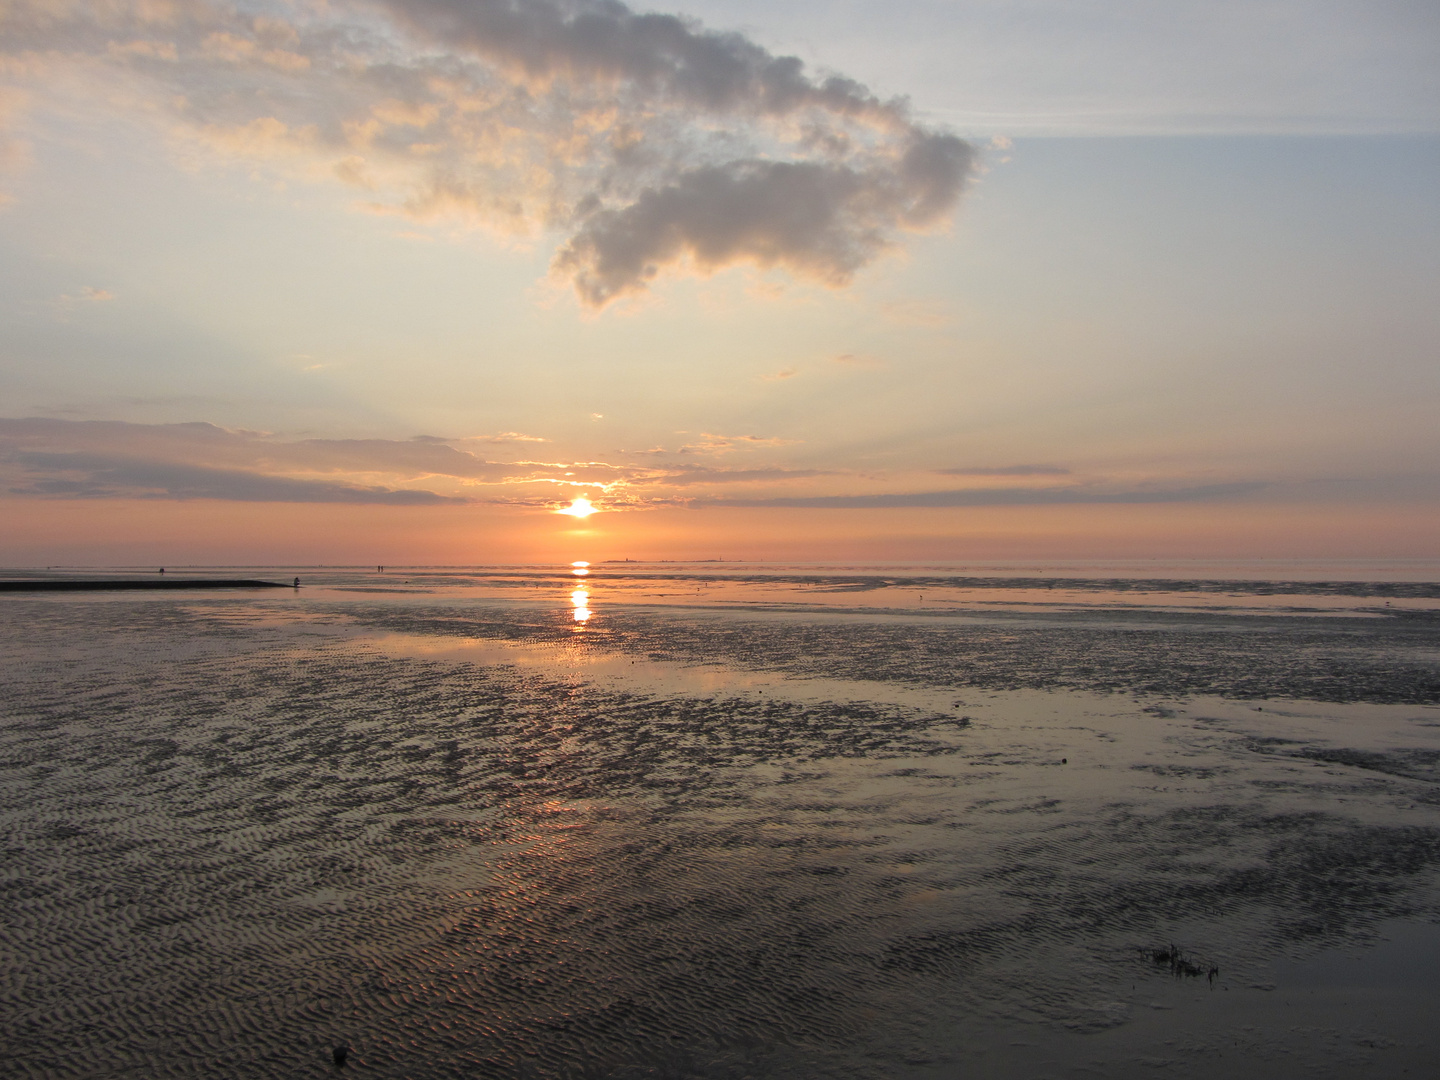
(297, 583)
(162, 569)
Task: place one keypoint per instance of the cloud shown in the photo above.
(80, 475)
(1007, 470)
(603, 41)
(781, 375)
(997, 497)
(504, 437)
(96, 459)
(217, 447)
(107, 458)
(712, 443)
(234, 49)
(647, 143)
(689, 475)
(819, 220)
(14, 149)
(88, 295)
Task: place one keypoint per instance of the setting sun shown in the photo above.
(580, 508)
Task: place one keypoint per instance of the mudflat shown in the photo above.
(650, 822)
(43, 585)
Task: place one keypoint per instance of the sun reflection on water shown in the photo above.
(580, 601)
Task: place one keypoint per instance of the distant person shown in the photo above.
(297, 583)
(162, 569)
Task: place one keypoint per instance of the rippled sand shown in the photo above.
(468, 839)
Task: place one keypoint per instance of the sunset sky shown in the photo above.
(394, 280)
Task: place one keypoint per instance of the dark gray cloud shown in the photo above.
(647, 141)
(821, 202)
(84, 475)
(603, 40)
(1007, 470)
(997, 497)
(818, 219)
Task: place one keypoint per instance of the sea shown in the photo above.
(722, 820)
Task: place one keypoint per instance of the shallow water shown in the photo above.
(467, 831)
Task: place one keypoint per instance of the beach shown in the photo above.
(700, 820)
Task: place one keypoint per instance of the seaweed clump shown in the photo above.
(1182, 965)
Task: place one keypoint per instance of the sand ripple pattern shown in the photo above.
(227, 850)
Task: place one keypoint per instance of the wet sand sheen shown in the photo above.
(464, 840)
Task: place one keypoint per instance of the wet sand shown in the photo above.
(732, 834)
(40, 585)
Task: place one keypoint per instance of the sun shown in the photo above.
(579, 508)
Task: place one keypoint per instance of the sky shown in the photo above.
(394, 281)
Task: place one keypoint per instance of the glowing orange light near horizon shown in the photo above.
(580, 569)
(580, 507)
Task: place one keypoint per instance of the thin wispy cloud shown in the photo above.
(46, 456)
(1006, 470)
(712, 443)
(78, 475)
(688, 476)
(93, 459)
(504, 437)
(649, 143)
(14, 147)
(89, 294)
(1000, 497)
(217, 447)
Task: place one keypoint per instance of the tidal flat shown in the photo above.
(676, 822)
